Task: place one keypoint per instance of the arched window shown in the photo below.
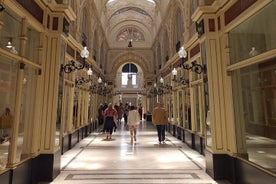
(130, 33)
(129, 72)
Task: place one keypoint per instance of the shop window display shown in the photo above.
(8, 73)
(254, 36)
(254, 88)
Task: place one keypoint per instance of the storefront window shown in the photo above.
(91, 110)
(82, 108)
(58, 133)
(171, 108)
(66, 106)
(59, 111)
(167, 106)
(254, 91)
(254, 36)
(181, 117)
(188, 122)
(207, 110)
(8, 80)
(75, 109)
(198, 112)
(32, 46)
(197, 108)
(25, 131)
(11, 32)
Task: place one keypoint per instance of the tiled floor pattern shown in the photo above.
(138, 176)
(96, 160)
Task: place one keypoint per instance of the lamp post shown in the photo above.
(161, 80)
(182, 53)
(180, 80)
(70, 67)
(160, 89)
(100, 80)
(195, 67)
(84, 53)
(82, 80)
(129, 43)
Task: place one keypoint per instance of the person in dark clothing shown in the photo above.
(100, 114)
(140, 111)
(109, 124)
(126, 109)
(120, 112)
(105, 105)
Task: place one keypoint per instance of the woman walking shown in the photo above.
(133, 122)
(120, 113)
(109, 114)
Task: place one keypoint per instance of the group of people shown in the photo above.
(111, 116)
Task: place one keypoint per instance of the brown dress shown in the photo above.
(120, 112)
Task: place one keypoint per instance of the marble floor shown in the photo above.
(96, 160)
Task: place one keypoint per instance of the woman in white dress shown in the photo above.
(133, 120)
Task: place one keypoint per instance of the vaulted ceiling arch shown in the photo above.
(129, 24)
(117, 14)
(127, 58)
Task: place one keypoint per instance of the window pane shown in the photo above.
(254, 89)
(32, 46)
(8, 76)
(197, 108)
(75, 109)
(188, 122)
(11, 32)
(66, 119)
(133, 79)
(26, 116)
(124, 78)
(254, 36)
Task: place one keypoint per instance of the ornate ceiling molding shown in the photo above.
(118, 14)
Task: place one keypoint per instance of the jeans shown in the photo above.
(161, 132)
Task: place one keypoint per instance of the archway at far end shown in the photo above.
(129, 79)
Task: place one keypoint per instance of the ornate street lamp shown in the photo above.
(197, 68)
(70, 67)
(82, 80)
(180, 80)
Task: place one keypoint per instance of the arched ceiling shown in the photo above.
(136, 20)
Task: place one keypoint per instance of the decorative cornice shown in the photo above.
(201, 10)
(65, 8)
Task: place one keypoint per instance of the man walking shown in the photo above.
(160, 120)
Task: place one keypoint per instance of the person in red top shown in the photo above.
(109, 114)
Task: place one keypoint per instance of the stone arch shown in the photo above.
(130, 57)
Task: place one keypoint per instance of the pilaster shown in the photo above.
(50, 79)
